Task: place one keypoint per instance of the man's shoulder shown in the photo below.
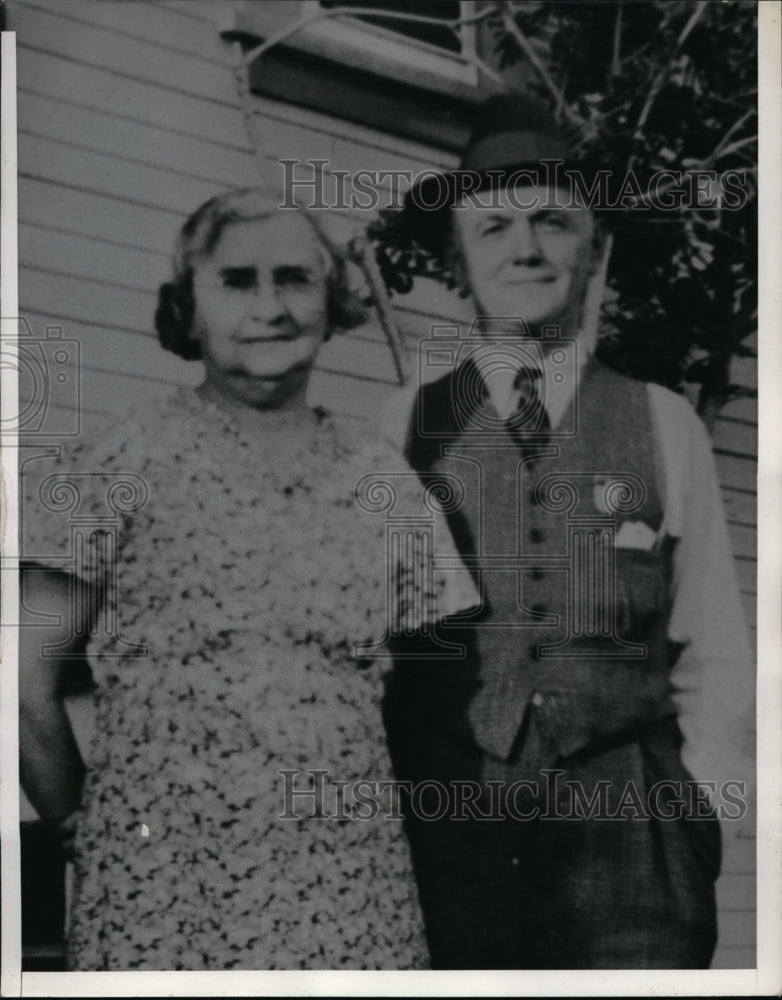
(672, 407)
(396, 415)
(678, 425)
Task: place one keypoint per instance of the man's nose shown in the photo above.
(526, 248)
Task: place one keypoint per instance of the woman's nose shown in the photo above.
(266, 306)
(526, 248)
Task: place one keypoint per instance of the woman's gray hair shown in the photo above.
(197, 239)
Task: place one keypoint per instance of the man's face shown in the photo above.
(261, 308)
(527, 262)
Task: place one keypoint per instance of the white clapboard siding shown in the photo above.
(135, 59)
(345, 396)
(129, 117)
(74, 167)
(744, 371)
(124, 352)
(744, 409)
(279, 137)
(166, 29)
(741, 856)
(105, 90)
(738, 890)
(88, 214)
(738, 926)
(135, 142)
(63, 297)
(749, 604)
(735, 436)
(743, 539)
(124, 176)
(210, 12)
(736, 957)
(740, 505)
(746, 574)
(363, 358)
(105, 391)
(739, 472)
(76, 256)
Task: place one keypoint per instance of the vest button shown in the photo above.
(536, 535)
(537, 699)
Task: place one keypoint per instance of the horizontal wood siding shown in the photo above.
(129, 117)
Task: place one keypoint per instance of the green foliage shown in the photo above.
(646, 86)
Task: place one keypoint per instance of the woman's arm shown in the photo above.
(51, 767)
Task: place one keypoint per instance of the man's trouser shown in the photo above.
(535, 889)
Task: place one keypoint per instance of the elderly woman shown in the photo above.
(222, 637)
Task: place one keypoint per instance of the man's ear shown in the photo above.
(598, 246)
(454, 261)
(600, 251)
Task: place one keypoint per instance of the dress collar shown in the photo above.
(561, 367)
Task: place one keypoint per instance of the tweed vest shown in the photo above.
(562, 537)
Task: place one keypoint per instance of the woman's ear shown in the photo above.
(174, 318)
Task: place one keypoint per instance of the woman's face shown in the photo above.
(260, 309)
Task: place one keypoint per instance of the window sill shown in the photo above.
(428, 98)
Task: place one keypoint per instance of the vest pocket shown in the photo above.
(639, 592)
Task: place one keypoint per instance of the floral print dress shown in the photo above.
(225, 677)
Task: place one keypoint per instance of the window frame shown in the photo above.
(408, 60)
(353, 44)
(418, 92)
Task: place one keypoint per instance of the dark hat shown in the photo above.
(512, 138)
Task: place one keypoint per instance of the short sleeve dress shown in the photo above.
(227, 819)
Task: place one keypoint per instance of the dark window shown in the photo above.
(441, 37)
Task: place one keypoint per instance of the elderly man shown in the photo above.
(606, 673)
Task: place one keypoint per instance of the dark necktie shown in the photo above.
(529, 422)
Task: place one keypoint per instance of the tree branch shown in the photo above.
(361, 253)
(696, 15)
(736, 125)
(523, 43)
(659, 79)
(615, 58)
(485, 68)
(734, 147)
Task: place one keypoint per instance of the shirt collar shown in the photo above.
(561, 370)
